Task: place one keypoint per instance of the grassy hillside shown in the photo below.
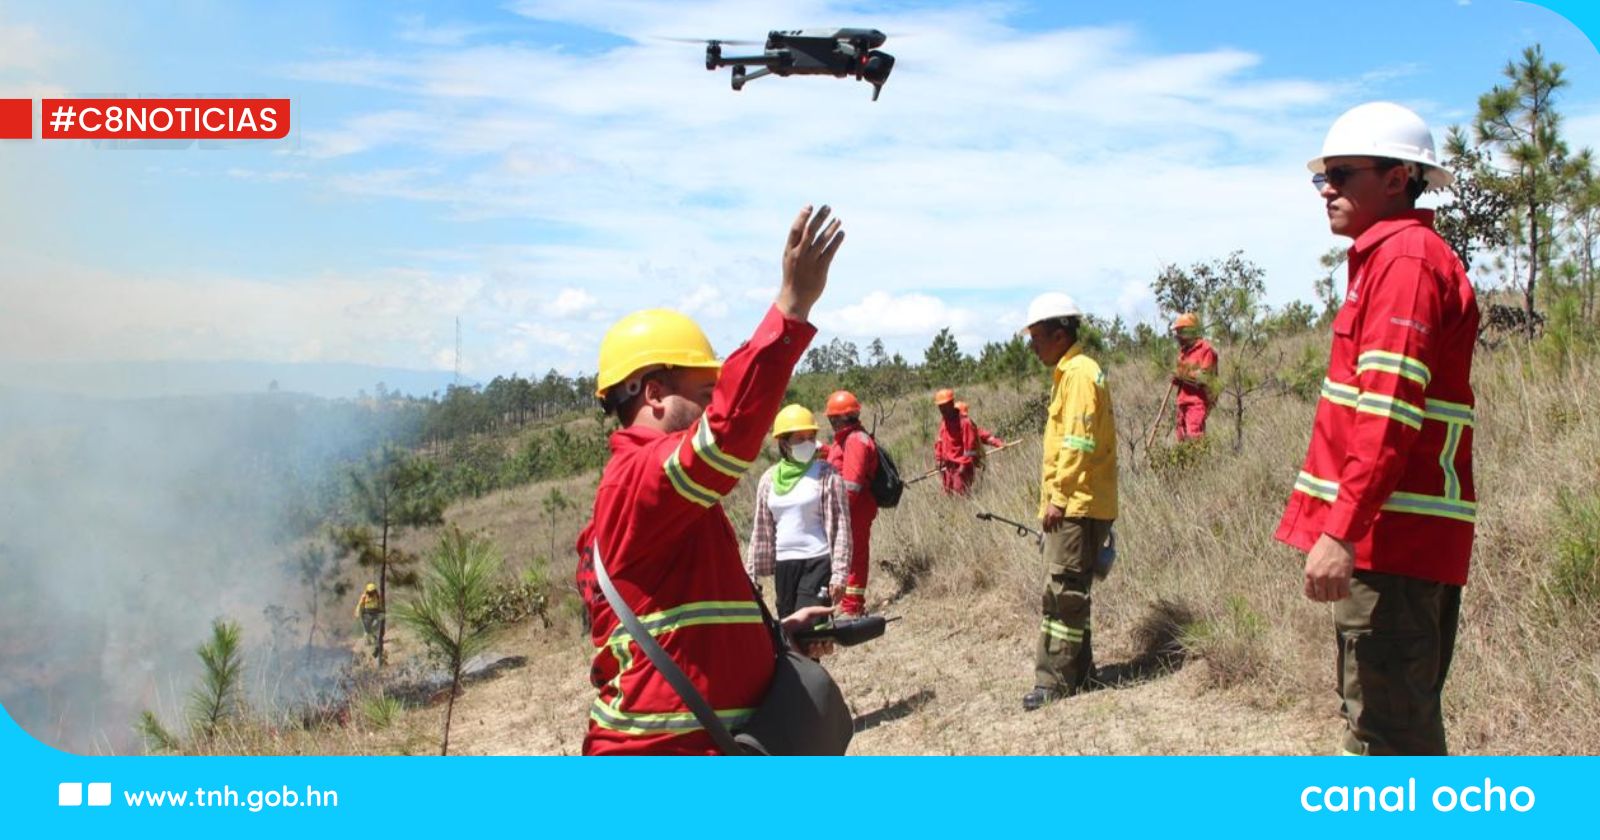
(1202, 634)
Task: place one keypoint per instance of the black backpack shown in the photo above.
(886, 483)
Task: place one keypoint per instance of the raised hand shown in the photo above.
(813, 240)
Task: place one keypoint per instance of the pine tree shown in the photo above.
(448, 612)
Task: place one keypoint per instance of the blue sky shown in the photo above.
(539, 168)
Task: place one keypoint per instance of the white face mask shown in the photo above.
(803, 451)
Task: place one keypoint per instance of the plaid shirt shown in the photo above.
(763, 554)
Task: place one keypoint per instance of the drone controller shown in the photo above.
(846, 631)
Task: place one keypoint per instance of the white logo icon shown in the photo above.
(70, 794)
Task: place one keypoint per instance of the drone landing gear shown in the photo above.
(740, 77)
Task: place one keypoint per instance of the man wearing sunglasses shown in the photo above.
(1384, 506)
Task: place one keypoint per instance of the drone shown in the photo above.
(810, 52)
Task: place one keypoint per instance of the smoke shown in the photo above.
(127, 526)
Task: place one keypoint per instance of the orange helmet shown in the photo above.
(841, 403)
(944, 395)
(961, 407)
(1186, 321)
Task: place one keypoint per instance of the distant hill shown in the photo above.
(130, 380)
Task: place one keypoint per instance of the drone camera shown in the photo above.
(875, 67)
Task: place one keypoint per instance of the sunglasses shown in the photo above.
(1337, 175)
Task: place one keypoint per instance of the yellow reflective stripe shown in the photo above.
(1057, 630)
(1447, 460)
(1395, 363)
(1340, 394)
(1417, 503)
(686, 486)
(705, 447)
(855, 590)
(1381, 405)
(1443, 411)
(693, 614)
(1398, 501)
(660, 723)
(1318, 488)
(623, 653)
(1448, 412)
(1082, 444)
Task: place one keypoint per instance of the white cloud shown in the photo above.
(547, 335)
(267, 176)
(416, 29)
(881, 314)
(570, 302)
(1136, 302)
(23, 49)
(704, 301)
(392, 317)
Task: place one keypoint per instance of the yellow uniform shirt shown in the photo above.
(370, 602)
(1080, 441)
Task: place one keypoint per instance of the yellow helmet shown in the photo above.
(794, 418)
(649, 338)
(372, 587)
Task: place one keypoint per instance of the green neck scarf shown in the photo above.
(789, 474)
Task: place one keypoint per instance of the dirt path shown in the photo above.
(923, 689)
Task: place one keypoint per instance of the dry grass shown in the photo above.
(1201, 628)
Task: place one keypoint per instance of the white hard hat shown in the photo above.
(1387, 130)
(1051, 306)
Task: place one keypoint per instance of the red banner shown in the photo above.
(16, 119)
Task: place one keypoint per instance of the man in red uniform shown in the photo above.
(955, 450)
(690, 429)
(855, 455)
(1384, 506)
(1195, 376)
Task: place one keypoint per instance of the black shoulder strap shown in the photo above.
(664, 664)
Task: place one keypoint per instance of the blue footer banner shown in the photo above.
(46, 790)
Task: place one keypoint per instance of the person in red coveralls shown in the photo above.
(690, 429)
(855, 455)
(1195, 376)
(1384, 506)
(955, 450)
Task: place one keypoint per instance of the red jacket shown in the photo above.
(673, 556)
(957, 444)
(1199, 361)
(855, 455)
(1390, 463)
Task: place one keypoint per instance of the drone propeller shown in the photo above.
(710, 41)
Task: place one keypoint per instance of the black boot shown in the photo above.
(1038, 697)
